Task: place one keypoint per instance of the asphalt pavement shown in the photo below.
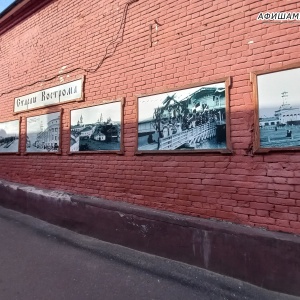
(40, 261)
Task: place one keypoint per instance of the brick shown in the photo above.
(280, 187)
(262, 220)
(224, 215)
(283, 216)
(295, 195)
(294, 210)
(244, 210)
(283, 223)
(281, 208)
(280, 173)
(264, 206)
(262, 213)
(295, 225)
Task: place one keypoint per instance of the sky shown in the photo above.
(91, 114)
(4, 4)
(270, 88)
(147, 104)
(10, 128)
(34, 124)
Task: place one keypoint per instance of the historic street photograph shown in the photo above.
(96, 128)
(186, 119)
(279, 109)
(43, 133)
(9, 136)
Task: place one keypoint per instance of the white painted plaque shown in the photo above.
(62, 93)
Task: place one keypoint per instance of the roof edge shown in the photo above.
(18, 11)
(11, 9)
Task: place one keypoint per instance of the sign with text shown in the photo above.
(70, 91)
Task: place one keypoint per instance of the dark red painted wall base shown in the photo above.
(267, 259)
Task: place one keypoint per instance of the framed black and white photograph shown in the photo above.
(97, 128)
(194, 119)
(277, 109)
(43, 133)
(10, 137)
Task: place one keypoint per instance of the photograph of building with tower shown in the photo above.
(43, 133)
(96, 128)
(279, 109)
(187, 119)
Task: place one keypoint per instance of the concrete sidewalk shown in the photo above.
(45, 262)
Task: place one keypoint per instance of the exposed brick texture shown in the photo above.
(197, 42)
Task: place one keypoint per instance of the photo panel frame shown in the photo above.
(10, 137)
(277, 109)
(193, 119)
(43, 133)
(97, 128)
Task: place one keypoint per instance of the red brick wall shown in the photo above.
(198, 41)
